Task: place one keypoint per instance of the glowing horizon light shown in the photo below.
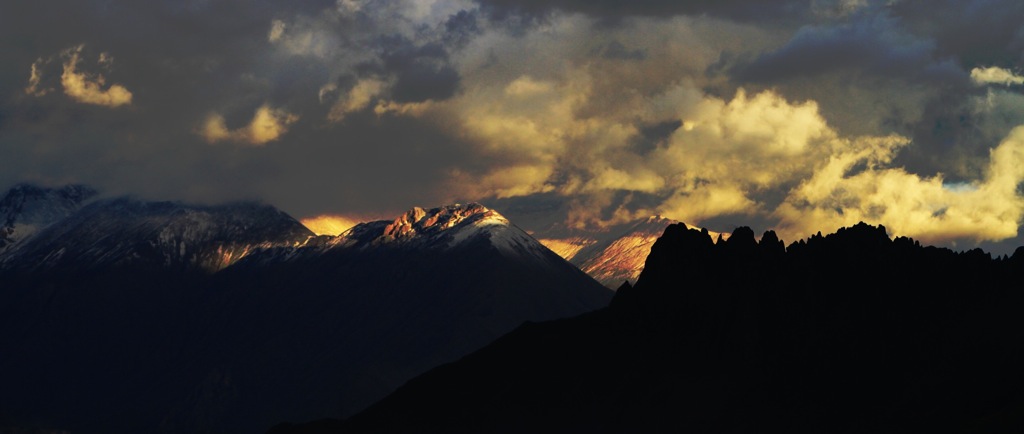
(328, 224)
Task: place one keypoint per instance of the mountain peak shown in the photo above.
(455, 226)
(435, 220)
(466, 229)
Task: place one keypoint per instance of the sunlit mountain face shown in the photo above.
(616, 254)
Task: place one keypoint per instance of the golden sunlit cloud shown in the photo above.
(268, 124)
(105, 59)
(588, 212)
(357, 99)
(907, 204)
(277, 28)
(329, 224)
(527, 86)
(562, 121)
(504, 182)
(35, 76)
(722, 156)
(88, 88)
(710, 201)
(995, 75)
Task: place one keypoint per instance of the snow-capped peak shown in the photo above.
(442, 228)
(419, 222)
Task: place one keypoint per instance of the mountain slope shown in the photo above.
(621, 259)
(125, 232)
(27, 209)
(291, 331)
(411, 293)
(852, 332)
(441, 229)
(616, 255)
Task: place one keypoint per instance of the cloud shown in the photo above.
(504, 182)
(837, 8)
(874, 43)
(975, 32)
(925, 208)
(722, 157)
(358, 98)
(34, 79)
(267, 125)
(421, 72)
(277, 28)
(526, 86)
(706, 202)
(88, 88)
(995, 75)
(613, 9)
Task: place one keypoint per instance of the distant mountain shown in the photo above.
(130, 233)
(443, 229)
(161, 317)
(846, 333)
(615, 255)
(27, 209)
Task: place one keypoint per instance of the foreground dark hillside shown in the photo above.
(852, 332)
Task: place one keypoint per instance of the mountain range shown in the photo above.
(119, 315)
(611, 255)
(123, 316)
(850, 332)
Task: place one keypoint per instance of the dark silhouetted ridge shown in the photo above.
(849, 332)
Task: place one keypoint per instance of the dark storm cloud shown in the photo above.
(422, 72)
(460, 28)
(978, 32)
(872, 45)
(185, 61)
(161, 52)
(940, 40)
(614, 9)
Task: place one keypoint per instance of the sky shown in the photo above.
(798, 116)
